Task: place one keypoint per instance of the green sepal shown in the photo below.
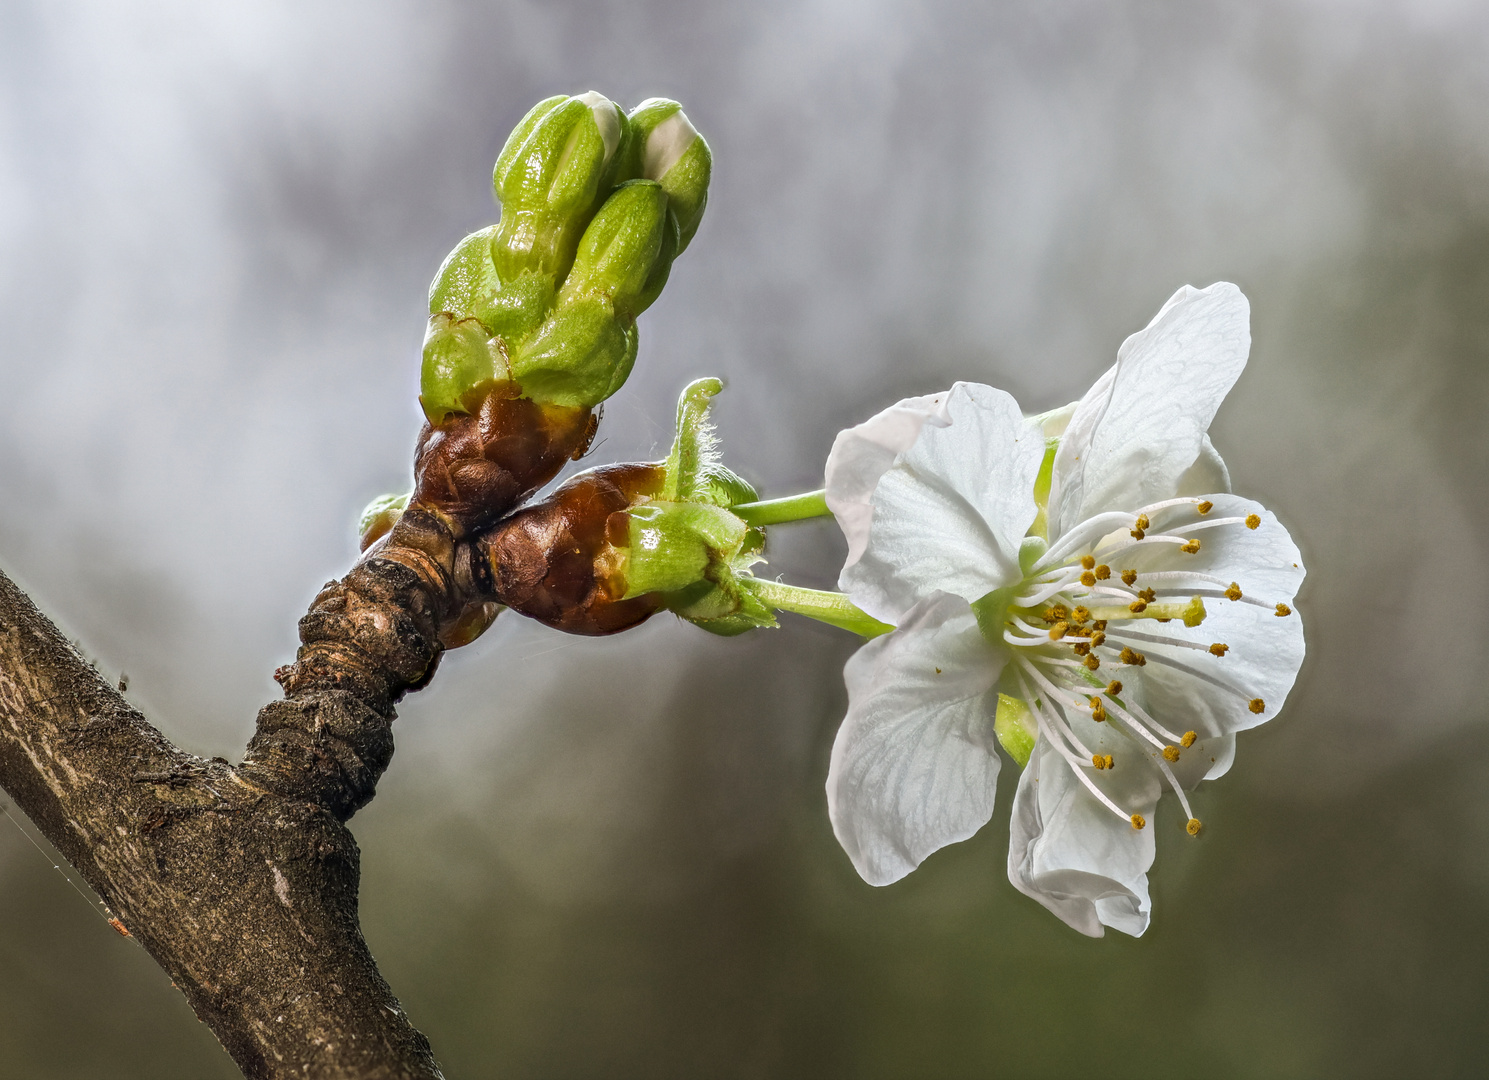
(618, 252)
(673, 544)
(459, 357)
(467, 279)
(577, 357)
(749, 612)
(518, 308)
(692, 449)
(551, 184)
(1016, 728)
(519, 136)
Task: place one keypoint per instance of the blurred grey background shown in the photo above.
(612, 858)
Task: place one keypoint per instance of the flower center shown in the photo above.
(1083, 615)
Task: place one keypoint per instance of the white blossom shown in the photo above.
(1080, 586)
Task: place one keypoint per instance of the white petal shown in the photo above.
(950, 513)
(861, 455)
(1141, 426)
(1074, 855)
(915, 763)
(1265, 652)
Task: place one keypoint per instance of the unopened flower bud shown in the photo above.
(670, 151)
(579, 357)
(620, 248)
(554, 170)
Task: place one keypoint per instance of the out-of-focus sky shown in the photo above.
(611, 858)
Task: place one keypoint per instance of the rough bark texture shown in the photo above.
(241, 881)
(245, 896)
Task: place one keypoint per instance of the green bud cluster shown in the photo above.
(685, 543)
(596, 205)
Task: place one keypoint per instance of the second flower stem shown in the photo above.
(829, 607)
(792, 508)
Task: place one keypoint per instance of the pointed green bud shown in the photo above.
(459, 361)
(669, 150)
(579, 357)
(1016, 728)
(619, 250)
(550, 183)
(379, 517)
(467, 279)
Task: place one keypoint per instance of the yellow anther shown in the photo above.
(1137, 607)
(1097, 638)
(1283, 609)
(1219, 649)
(1188, 740)
(1080, 615)
(1103, 572)
(1058, 630)
(1147, 595)
(1088, 579)
(1055, 613)
(1205, 507)
(1193, 827)
(1129, 576)
(1138, 821)
(1081, 648)
(1109, 764)
(1234, 592)
(1165, 620)
(1098, 709)
(1088, 561)
(1132, 656)
(1098, 761)
(1142, 521)
(1190, 548)
(1170, 753)
(1099, 624)
(1092, 662)
(1114, 687)
(1257, 705)
(1252, 521)
(1137, 534)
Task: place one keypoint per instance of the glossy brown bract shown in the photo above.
(475, 468)
(548, 561)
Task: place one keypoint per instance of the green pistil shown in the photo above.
(832, 608)
(809, 504)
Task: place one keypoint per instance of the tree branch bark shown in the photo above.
(245, 895)
(241, 881)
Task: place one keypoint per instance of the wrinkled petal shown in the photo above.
(1265, 651)
(1074, 855)
(861, 455)
(915, 763)
(1141, 426)
(950, 513)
